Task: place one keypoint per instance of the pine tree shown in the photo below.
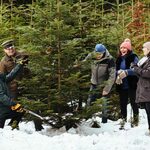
(57, 34)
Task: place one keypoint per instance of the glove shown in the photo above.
(118, 80)
(76, 66)
(17, 108)
(22, 59)
(132, 65)
(122, 74)
(104, 93)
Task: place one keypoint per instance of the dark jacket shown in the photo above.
(7, 64)
(143, 86)
(5, 99)
(131, 80)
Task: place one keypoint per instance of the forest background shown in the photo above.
(59, 33)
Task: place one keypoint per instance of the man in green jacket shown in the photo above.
(102, 77)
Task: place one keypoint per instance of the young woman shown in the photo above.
(126, 82)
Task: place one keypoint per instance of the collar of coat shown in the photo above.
(107, 56)
(10, 58)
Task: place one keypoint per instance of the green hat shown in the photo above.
(7, 43)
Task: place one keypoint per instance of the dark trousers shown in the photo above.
(95, 94)
(125, 96)
(12, 115)
(147, 109)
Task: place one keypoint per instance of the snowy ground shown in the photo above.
(108, 137)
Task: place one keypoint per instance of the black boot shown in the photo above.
(10, 123)
(135, 121)
(122, 123)
(14, 125)
(2, 122)
(104, 119)
(38, 124)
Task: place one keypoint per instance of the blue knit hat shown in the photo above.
(100, 48)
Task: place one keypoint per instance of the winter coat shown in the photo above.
(7, 64)
(5, 99)
(130, 82)
(103, 72)
(143, 85)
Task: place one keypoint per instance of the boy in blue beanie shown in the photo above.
(102, 76)
(100, 48)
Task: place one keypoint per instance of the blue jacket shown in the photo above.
(124, 62)
(5, 99)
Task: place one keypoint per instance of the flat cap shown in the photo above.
(7, 43)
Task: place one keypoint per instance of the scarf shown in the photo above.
(142, 61)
